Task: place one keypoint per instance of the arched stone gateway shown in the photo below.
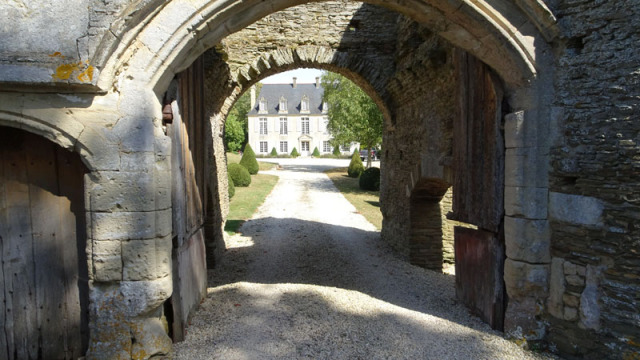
(568, 201)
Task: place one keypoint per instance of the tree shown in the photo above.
(353, 116)
(236, 126)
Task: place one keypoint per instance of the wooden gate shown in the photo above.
(478, 190)
(43, 277)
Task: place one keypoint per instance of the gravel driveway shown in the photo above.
(309, 278)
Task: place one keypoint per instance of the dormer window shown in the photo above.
(304, 105)
(325, 107)
(282, 107)
(262, 105)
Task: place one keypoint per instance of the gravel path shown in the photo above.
(310, 278)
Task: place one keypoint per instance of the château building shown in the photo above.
(284, 116)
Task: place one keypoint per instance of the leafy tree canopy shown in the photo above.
(236, 126)
(353, 116)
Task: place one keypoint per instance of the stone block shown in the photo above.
(135, 133)
(107, 260)
(571, 300)
(139, 259)
(164, 247)
(520, 130)
(555, 303)
(527, 202)
(137, 161)
(526, 280)
(162, 187)
(570, 268)
(575, 280)
(589, 304)
(99, 148)
(117, 191)
(575, 209)
(145, 297)
(151, 339)
(525, 167)
(570, 314)
(527, 240)
(130, 225)
(520, 319)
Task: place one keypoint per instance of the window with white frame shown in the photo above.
(263, 126)
(283, 126)
(263, 147)
(282, 107)
(284, 147)
(305, 125)
(262, 105)
(345, 148)
(326, 146)
(304, 146)
(304, 105)
(325, 107)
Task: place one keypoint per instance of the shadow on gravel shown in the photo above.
(294, 251)
(257, 321)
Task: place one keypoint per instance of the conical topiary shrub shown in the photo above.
(239, 175)
(355, 166)
(336, 151)
(273, 153)
(232, 187)
(295, 153)
(249, 160)
(316, 152)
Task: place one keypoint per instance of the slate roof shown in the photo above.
(273, 92)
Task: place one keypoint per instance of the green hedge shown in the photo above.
(370, 179)
(249, 160)
(232, 187)
(355, 166)
(240, 175)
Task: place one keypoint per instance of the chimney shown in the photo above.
(253, 96)
(295, 82)
(317, 82)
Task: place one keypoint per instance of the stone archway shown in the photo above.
(148, 57)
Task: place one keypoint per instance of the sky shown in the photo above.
(305, 76)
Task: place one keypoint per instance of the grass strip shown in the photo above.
(366, 203)
(233, 157)
(246, 201)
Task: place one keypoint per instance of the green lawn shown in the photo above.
(366, 203)
(247, 200)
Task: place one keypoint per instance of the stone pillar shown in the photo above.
(129, 229)
(527, 236)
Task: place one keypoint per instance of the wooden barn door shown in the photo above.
(43, 273)
(478, 191)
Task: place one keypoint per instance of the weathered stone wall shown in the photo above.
(417, 141)
(595, 182)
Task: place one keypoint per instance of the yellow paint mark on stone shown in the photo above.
(86, 75)
(57, 54)
(64, 71)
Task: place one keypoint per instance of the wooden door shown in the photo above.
(43, 276)
(478, 189)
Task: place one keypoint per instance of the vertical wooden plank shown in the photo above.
(4, 346)
(72, 241)
(17, 257)
(47, 247)
(478, 146)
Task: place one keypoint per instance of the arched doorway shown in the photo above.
(44, 270)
